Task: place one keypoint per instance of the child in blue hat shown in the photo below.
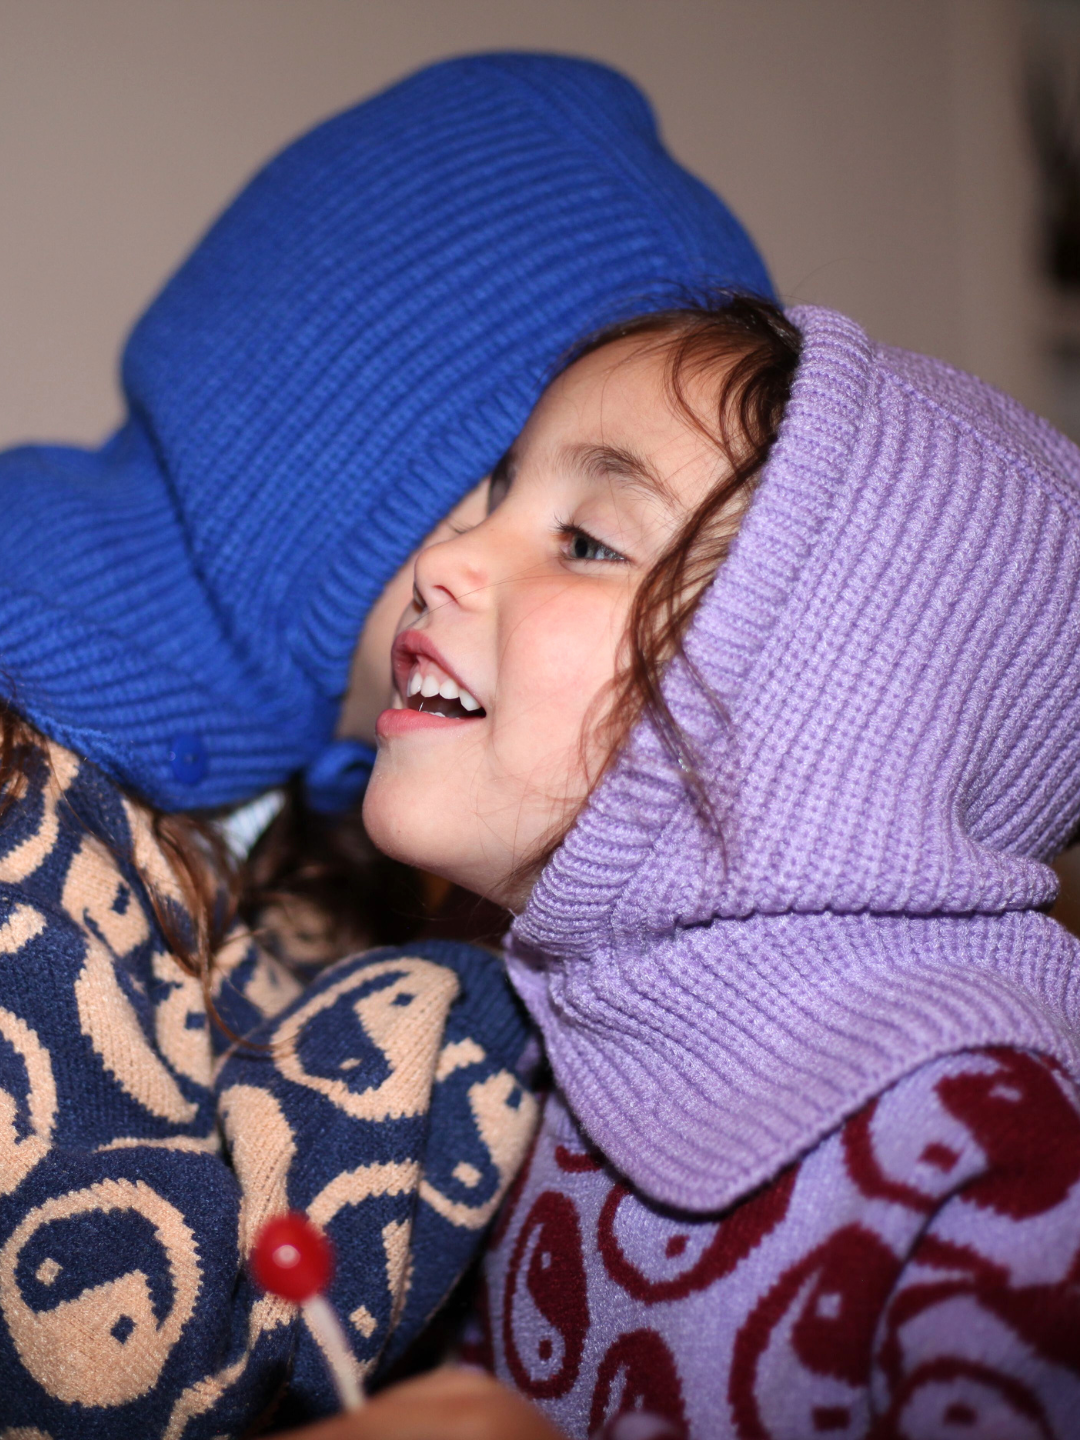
(345, 355)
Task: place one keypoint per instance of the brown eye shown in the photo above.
(583, 546)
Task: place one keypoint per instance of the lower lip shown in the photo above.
(406, 722)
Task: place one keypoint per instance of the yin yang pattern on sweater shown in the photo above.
(915, 1275)
(140, 1152)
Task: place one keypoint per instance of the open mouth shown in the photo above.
(426, 685)
(436, 694)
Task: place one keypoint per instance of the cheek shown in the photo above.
(474, 809)
(556, 665)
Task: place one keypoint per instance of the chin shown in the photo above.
(383, 823)
(410, 832)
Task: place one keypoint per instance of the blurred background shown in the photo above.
(878, 151)
(915, 164)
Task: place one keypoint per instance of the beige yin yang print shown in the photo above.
(139, 1153)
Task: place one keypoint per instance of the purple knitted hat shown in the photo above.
(894, 642)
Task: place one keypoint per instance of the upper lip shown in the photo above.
(408, 647)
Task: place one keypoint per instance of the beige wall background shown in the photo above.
(873, 147)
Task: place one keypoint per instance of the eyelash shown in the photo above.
(574, 533)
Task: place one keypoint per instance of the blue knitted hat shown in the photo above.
(347, 352)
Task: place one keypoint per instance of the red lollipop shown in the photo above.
(291, 1258)
(294, 1259)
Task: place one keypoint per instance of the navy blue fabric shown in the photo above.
(346, 353)
(383, 1100)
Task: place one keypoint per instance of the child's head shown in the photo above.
(536, 638)
(882, 692)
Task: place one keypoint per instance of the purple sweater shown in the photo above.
(914, 1275)
(893, 643)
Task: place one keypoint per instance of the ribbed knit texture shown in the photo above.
(893, 745)
(346, 353)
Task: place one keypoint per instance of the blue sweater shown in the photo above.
(136, 1162)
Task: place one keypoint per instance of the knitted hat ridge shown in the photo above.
(894, 641)
(346, 353)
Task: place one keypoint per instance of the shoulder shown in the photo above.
(928, 1257)
(958, 1121)
(831, 1295)
(981, 1327)
(68, 884)
(91, 1000)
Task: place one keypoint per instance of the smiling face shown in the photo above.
(504, 661)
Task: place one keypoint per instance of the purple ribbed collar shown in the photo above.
(894, 643)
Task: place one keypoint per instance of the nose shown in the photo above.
(453, 571)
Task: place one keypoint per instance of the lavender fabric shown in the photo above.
(891, 737)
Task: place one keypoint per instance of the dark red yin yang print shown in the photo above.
(637, 1374)
(546, 1307)
(687, 1257)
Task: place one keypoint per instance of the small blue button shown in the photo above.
(187, 756)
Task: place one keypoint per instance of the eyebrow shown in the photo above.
(616, 462)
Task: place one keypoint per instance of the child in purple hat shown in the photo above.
(757, 698)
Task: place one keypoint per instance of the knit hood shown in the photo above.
(347, 352)
(892, 742)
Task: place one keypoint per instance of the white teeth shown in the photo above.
(429, 685)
